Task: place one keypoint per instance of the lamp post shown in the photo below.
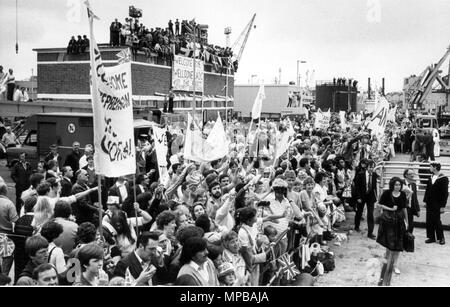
(298, 71)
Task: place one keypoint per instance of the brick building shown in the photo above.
(63, 76)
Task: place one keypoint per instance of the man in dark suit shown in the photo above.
(20, 174)
(83, 209)
(66, 182)
(365, 194)
(413, 208)
(115, 33)
(435, 198)
(145, 264)
(73, 159)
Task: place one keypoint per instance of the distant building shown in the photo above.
(281, 100)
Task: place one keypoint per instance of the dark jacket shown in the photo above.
(361, 187)
(135, 268)
(83, 209)
(66, 187)
(436, 194)
(21, 176)
(114, 191)
(73, 160)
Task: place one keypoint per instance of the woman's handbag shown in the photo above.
(377, 212)
(408, 242)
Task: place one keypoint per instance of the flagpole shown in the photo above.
(100, 207)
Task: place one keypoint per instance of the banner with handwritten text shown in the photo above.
(113, 116)
(183, 74)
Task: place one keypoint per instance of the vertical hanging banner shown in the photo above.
(257, 105)
(183, 74)
(160, 137)
(113, 114)
(378, 122)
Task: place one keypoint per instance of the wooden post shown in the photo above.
(100, 209)
(135, 201)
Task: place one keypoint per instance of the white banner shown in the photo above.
(322, 120)
(183, 74)
(113, 116)
(160, 137)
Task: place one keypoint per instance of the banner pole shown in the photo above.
(100, 208)
(135, 201)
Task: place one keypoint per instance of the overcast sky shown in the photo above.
(344, 38)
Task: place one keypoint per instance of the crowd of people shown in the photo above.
(226, 222)
(78, 46)
(177, 38)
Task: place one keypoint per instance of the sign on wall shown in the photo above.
(183, 74)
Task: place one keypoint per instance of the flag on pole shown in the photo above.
(289, 268)
(257, 106)
(124, 56)
(284, 140)
(391, 114)
(115, 153)
(217, 141)
(379, 119)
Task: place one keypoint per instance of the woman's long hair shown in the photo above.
(120, 218)
(43, 211)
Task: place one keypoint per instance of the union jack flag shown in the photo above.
(124, 56)
(288, 266)
(6, 246)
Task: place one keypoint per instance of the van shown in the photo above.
(40, 131)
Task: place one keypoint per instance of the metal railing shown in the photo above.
(391, 169)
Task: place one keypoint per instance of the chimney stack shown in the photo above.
(383, 88)
(369, 91)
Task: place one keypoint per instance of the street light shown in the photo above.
(298, 70)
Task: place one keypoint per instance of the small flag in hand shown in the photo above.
(124, 56)
(6, 246)
(288, 267)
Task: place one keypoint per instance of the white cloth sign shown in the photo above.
(322, 120)
(183, 74)
(160, 137)
(113, 116)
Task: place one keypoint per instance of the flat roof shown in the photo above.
(62, 114)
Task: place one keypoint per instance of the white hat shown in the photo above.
(174, 159)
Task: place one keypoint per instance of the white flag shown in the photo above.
(115, 153)
(160, 137)
(218, 142)
(195, 146)
(379, 119)
(257, 106)
(284, 140)
(343, 120)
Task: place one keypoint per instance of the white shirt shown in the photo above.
(57, 258)
(83, 161)
(201, 270)
(278, 208)
(434, 178)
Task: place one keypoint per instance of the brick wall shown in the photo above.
(67, 78)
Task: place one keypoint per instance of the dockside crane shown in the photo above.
(239, 46)
(418, 91)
